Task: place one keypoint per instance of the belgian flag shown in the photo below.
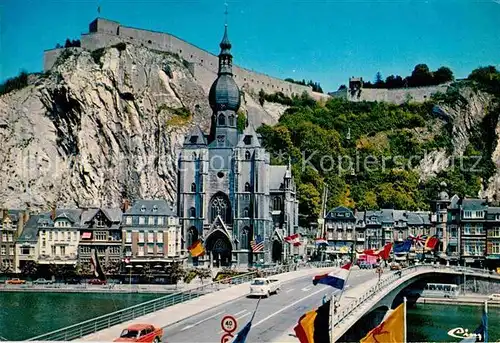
(314, 326)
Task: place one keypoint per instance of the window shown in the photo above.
(247, 140)
(150, 248)
(231, 120)
(467, 214)
(247, 187)
(68, 236)
(244, 238)
(44, 243)
(128, 237)
(63, 250)
(222, 119)
(141, 237)
(192, 212)
(400, 235)
(467, 229)
(141, 220)
(53, 250)
(151, 236)
(219, 206)
(193, 187)
(11, 238)
(151, 220)
(220, 140)
(159, 237)
(140, 250)
(4, 251)
(155, 208)
(245, 212)
(128, 220)
(84, 250)
(100, 236)
(494, 232)
(114, 250)
(495, 248)
(4, 237)
(143, 208)
(247, 155)
(160, 221)
(277, 203)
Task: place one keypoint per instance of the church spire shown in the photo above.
(225, 56)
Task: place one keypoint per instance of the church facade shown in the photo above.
(229, 196)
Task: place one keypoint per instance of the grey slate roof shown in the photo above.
(276, 176)
(249, 131)
(162, 206)
(386, 216)
(30, 231)
(415, 219)
(195, 138)
(493, 210)
(399, 215)
(113, 214)
(474, 204)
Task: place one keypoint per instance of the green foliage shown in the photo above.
(314, 85)
(241, 122)
(14, 83)
(421, 76)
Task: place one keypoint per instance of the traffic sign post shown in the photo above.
(226, 337)
(229, 324)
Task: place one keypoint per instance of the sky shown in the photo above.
(326, 41)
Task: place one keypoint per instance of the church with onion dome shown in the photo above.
(229, 196)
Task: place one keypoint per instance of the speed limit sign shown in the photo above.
(228, 324)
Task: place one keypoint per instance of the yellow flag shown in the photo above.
(390, 330)
(196, 249)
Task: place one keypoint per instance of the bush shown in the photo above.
(14, 83)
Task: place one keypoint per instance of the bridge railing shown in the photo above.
(108, 320)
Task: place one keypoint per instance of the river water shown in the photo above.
(25, 315)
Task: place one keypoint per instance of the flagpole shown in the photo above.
(404, 321)
(485, 338)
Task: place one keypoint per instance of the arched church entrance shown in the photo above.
(219, 249)
(277, 252)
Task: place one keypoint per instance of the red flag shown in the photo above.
(431, 243)
(384, 253)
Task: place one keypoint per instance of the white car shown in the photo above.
(494, 297)
(264, 287)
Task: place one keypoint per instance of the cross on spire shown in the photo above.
(225, 14)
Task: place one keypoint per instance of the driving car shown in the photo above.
(140, 333)
(494, 297)
(97, 282)
(42, 281)
(15, 281)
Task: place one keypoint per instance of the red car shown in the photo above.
(97, 282)
(141, 333)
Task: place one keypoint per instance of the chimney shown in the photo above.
(125, 205)
(5, 213)
(53, 213)
(23, 218)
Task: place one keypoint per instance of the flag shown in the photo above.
(385, 251)
(257, 244)
(96, 265)
(99, 9)
(319, 241)
(402, 247)
(335, 279)
(241, 337)
(196, 249)
(431, 243)
(293, 239)
(418, 240)
(482, 330)
(314, 326)
(391, 330)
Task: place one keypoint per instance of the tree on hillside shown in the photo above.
(421, 76)
(379, 82)
(442, 75)
(394, 81)
(487, 77)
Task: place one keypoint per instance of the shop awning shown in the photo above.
(87, 235)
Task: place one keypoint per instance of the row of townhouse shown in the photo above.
(146, 232)
(468, 230)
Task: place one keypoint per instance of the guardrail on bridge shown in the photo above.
(108, 320)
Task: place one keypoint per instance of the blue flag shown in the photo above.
(481, 333)
(242, 335)
(402, 247)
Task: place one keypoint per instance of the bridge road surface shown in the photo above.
(274, 316)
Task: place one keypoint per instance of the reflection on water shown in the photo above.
(25, 315)
(431, 322)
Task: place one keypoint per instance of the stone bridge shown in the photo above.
(354, 318)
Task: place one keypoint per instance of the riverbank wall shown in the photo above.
(475, 299)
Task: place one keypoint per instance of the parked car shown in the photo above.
(42, 281)
(140, 333)
(97, 282)
(264, 287)
(365, 265)
(73, 281)
(494, 297)
(15, 281)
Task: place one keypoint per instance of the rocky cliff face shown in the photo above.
(99, 127)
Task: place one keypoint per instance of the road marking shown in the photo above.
(288, 306)
(238, 313)
(201, 321)
(305, 289)
(289, 290)
(243, 316)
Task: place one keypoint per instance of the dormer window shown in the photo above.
(143, 208)
(231, 120)
(155, 208)
(247, 155)
(220, 140)
(247, 140)
(193, 139)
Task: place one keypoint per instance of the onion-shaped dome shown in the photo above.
(224, 94)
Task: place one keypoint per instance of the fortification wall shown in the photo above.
(395, 96)
(104, 33)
